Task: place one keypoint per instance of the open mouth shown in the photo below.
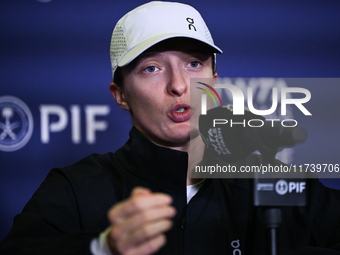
(180, 112)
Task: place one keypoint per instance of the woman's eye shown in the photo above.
(150, 69)
(194, 64)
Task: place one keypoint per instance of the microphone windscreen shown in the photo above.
(222, 133)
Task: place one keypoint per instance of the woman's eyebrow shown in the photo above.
(197, 51)
(148, 54)
(200, 53)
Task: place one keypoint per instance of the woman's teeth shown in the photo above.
(181, 110)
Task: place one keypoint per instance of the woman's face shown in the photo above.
(156, 89)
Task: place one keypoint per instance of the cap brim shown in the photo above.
(146, 44)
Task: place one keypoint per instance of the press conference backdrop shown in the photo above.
(55, 75)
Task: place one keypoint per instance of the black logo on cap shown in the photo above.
(191, 23)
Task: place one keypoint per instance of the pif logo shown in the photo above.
(16, 124)
(282, 187)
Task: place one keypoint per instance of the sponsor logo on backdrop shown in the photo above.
(16, 123)
(73, 118)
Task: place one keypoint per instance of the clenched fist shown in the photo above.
(139, 222)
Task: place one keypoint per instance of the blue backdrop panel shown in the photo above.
(55, 61)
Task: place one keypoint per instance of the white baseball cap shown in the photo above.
(152, 23)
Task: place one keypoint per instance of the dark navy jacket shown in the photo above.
(70, 208)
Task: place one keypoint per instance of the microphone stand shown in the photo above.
(272, 215)
(272, 204)
(268, 140)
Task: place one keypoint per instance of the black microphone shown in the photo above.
(234, 137)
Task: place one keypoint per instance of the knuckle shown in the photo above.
(162, 239)
(144, 216)
(172, 211)
(136, 203)
(168, 211)
(152, 246)
(168, 224)
(145, 231)
(116, 233)
(111, 216)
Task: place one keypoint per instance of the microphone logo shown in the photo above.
(281, 187)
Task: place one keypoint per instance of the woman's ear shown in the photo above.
(119, 96)
(215, 77)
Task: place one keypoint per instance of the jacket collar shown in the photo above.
(158, 165)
